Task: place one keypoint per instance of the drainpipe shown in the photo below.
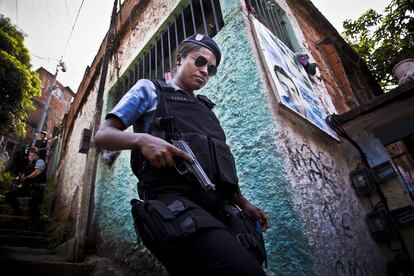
(87, 198)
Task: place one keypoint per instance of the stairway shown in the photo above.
(24, 252)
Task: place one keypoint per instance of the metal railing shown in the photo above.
(200, 16)
(272, 16)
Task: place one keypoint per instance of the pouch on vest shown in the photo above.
(200, 146)
(155, 224)
(226, 165)
(246, 232)
(163, 225)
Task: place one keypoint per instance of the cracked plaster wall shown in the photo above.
(73, 164)
(318, 174)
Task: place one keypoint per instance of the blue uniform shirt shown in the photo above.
(40, 165)
(140, 100)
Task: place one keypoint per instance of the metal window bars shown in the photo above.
(200, 16)
(272, 16)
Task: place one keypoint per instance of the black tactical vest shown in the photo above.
(41, 144)
(199, 127)
(41, 178)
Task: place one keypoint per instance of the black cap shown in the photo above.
(206, 41)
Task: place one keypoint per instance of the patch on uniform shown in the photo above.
(178, 98)
(199, 37)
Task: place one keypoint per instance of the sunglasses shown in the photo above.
(201, 61)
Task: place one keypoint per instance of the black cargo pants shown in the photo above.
(211, 252)
(188, 240)
(36, 194)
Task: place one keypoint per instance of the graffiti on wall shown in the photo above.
(305, 158)
(329, 209)
(354, 268)
(322, 176)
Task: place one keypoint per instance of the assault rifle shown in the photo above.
(194, 168)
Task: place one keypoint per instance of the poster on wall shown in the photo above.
(294, 88)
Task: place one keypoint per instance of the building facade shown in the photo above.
(289, 160)
(59, 105)
(62, 97)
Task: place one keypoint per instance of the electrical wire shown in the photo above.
(67, 10)
(376, 206)
(73, 28)
(43, 58)
(371, 203)
(335, 124)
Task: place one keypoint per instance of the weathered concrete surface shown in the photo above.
(333, 216)
(245, 114)
(113, 229)
(73, 164)
(318, 174)
(136, 39)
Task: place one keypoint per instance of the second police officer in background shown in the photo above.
(41, 145)
(190, 230)
(33, 183)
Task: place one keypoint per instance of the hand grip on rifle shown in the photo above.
(195, 167)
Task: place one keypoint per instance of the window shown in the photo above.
(58, 93)
(55, 131)
(274, 18)
(402, 153)
(200, 16)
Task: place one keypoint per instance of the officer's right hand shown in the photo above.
(160, 153)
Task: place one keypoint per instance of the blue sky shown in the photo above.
(48, 23)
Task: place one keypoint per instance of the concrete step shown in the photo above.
(45, 268)
(39, 262)
(2, 198)
(23, 240)
(21, 232)
(14, 222)
(7, 210)
(28, 253)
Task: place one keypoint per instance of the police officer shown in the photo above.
(33, 184)
(190, 230)
(41, 145)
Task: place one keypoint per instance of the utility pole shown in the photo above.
(49, 96)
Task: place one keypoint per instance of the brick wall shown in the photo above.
(57, 106)
(329, 65)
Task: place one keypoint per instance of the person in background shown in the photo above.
(41, 145)
(33, 183)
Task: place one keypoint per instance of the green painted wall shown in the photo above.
(244, 112)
